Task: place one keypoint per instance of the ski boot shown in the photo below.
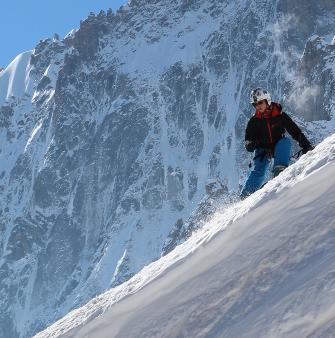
(278, 169)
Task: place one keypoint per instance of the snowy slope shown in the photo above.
(263, 267)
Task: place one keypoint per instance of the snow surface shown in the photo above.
(15, 79)
(263, 267)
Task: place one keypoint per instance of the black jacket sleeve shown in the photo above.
(296, 133)
(250, 141)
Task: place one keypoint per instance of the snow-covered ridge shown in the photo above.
(93, 313)
(15, 80)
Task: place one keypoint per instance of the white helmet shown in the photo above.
(260, 94)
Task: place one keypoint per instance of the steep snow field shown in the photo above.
(263, 267)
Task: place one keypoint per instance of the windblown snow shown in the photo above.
(263, 267)
(15, 80)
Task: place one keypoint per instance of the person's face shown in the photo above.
(261, 106)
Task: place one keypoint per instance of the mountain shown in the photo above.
(261, 268)
(110, 136)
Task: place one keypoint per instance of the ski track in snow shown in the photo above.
(270, 274)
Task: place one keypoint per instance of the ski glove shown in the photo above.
(305, 144)
(307, 149)
(250, 145)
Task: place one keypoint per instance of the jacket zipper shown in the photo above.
(269, 130)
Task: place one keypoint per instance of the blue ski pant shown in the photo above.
(282, 154)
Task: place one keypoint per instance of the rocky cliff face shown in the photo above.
(110, 136)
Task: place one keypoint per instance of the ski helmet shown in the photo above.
(260, 94)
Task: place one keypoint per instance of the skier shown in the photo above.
(265, 135)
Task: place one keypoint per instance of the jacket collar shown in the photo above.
(275, 109)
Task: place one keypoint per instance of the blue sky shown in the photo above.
(23, 23)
